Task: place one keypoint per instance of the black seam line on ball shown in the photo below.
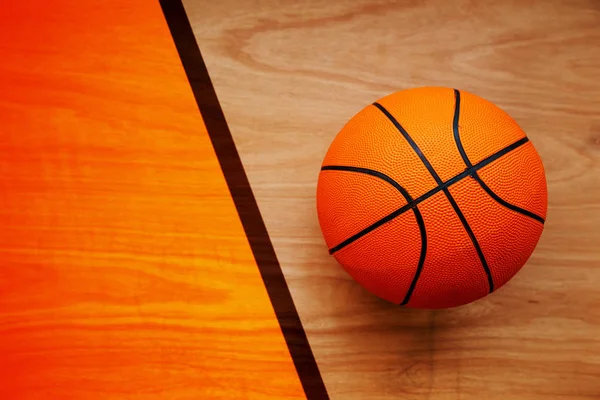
(458, 211)
(411, 142)
(457, 140)
(371, 172)
(506, 204)
(477, 178)
(415, 209)
(427, 195)
(473, 238)
(422, 256)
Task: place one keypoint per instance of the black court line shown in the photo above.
(416, 211)
(427, 195)
(476, 176)
(244, 200)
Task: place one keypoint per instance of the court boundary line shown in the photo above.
(244, 200)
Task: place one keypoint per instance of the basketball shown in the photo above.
(432, 198)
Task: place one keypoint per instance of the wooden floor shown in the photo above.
(289, 74)
(125, 272)
(125, 269)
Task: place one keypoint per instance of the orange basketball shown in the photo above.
(432, 198)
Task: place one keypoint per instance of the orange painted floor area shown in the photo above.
(124, 269)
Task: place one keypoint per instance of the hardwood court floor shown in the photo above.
(125, 272)
(289, 74)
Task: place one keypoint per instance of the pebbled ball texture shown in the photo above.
(432, 198)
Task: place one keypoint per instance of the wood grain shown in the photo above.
(289, 74)
(125, 272)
